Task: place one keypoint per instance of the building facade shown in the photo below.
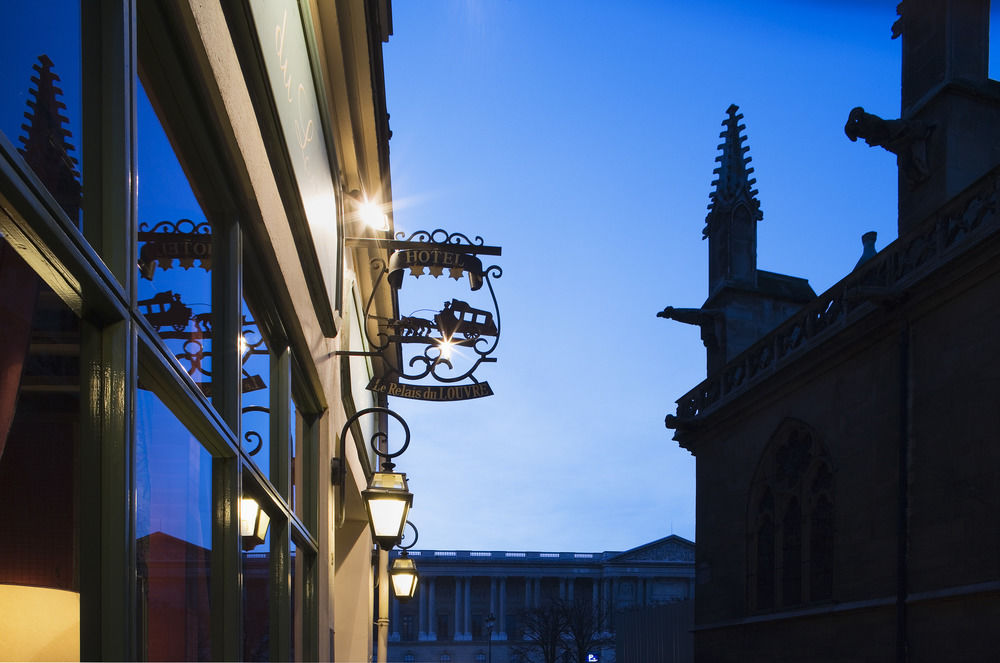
(459, 590)
(177, 180)
(847, 458)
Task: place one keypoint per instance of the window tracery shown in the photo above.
(791, 522)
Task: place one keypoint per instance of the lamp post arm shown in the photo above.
(339, 465)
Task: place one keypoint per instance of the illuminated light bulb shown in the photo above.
(373, 216)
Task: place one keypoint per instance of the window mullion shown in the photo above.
(227, 298)
(227, 562)
(107, 539)
(109, 182)
(107, 533)
(281, 392)
(280, 591)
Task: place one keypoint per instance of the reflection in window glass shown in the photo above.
(40, 100)
(173, 535)
(39, 450)
(257, 601)
(256, 386)
(174, 288)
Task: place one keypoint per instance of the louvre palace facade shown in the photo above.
(448, 619)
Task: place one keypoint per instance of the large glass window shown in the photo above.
(173, 476)
(40, 94)
(39, 456)
(141, 461)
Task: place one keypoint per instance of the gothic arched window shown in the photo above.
(791, 522)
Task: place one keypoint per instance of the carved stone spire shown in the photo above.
(733, 213)
(46, 148)
(743, 303)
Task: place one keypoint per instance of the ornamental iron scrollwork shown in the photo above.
(441, 236)
(430, 342)
(377, 440)
(406, 542)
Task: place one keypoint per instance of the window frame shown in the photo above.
(92, 269)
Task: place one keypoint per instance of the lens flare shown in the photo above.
(373, 216)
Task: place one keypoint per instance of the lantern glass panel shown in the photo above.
(404, 577)
(403, 584)
(388, 515)
(248, 516)
(263, 520)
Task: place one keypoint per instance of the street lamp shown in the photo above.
(387, 498)
(404, 577)
(491, 621)
(404, 571)
(387, 501)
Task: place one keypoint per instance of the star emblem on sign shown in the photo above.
(455, 273)
(417, 270)
(435, 270)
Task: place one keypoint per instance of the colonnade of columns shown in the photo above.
(603, 594)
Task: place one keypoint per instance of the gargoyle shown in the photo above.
(907, 139)
(710, 321)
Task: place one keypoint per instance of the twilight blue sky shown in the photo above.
(581, 136)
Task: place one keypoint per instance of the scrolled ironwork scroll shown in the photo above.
(377, 439)
(410, 544)
(435, 237)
